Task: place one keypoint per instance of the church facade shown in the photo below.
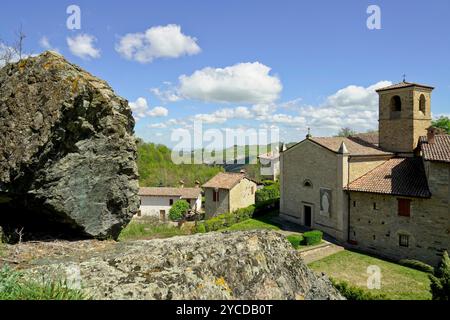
(386, 193)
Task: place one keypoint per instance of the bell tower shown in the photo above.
(404, 116)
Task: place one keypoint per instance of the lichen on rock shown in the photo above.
(67, 151)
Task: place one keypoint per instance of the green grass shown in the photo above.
(263, 222)
(397, 282)
(14, 287)
(147, 231)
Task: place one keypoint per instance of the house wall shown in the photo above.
(309, 161)
(428, 227)
(152, 205)
(242, 195)
(215, 208)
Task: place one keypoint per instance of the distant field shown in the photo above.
(397, 283)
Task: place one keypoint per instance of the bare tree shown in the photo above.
(10, 53)
(18, 47)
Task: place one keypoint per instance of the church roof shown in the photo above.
(437, 151)
(397, 176)
(404, 84)
(356, 147)
(369, 137)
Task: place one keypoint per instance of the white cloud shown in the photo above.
(83, 46)
(157, 42)
(240, 83)
(44, 42)
(141, 110)
(222, 115)
(169, 95)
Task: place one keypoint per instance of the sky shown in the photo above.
(245, 65)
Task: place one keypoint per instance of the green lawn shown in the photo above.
(397, 282)
(148, 230)
(263, 222)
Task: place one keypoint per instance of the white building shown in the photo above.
(157, 202)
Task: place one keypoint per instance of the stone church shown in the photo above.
(386, 193)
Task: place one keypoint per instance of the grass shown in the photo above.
(397, 282)
(149, 230)
(14, 287)
(263, 222)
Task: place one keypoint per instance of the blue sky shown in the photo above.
(246, 64)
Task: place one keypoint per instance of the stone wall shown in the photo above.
(428, 227)
(242, 195)
(214, 208)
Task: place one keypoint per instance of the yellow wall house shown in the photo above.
(227, 192)
(387, 193)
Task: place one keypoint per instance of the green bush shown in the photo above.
(200, 228)
(268, 193)
(178, 210)
(227, 219)
(295, 240)
(416, 264)
(313, 237)
(355, 293)
(268, 182)
(440, 280)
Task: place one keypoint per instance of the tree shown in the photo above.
(14, 52)
(440, 280)
(179, 210)
(442, 123)
(346, 132)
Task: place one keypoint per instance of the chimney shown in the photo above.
(197, 184)
(243, 171)
(181, 184)
(431, 135)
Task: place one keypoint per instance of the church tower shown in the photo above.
(405, 115)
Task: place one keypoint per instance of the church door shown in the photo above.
(308, 215)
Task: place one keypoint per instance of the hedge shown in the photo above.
(416, 264)
(355, 293)
(295, 240)
(312, 237)
(226, 220)
(268, 193)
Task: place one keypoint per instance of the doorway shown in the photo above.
(162, 215)
(307, 211)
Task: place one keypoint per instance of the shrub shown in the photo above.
(440, 280)
(268, 182)
(355, 293)
(179, 210)
(264, 207)
(313, 237)
(416, 264)
(200, 228)
(228, 219)
(295, 240)
(268, 193)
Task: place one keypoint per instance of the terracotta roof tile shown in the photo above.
(371, 138)
(184, 193)
(398, 176)
(438, 151)
(225, 180)
(355, 147)
(404, 84)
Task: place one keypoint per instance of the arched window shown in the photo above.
(307, 183)
(422, 104)
(396, 103)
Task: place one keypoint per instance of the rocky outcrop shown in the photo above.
(67, 151)
(240, 265)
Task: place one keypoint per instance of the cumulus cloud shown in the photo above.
(168, 95)
(141, 110)
(83, 46)
(240, 83)
(222, 115)
(157, 42)
(44, 42)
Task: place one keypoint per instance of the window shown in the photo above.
(403, 240)
(396, 103)
(422, 104)
(375, 207)
(253, 190)
(307, 184)
(171, 202)
(216, 195)
(354, 204)
(404, 207)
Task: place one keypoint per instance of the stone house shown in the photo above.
(391, 196)
(156, 202)
(227, 192)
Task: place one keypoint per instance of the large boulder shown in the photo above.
(239, 265)
(67, 152)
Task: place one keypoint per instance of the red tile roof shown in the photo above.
(371, 138)
(184, 193)
(404, 84)
(225, 180)
(356, 147)
(437, 151)
(397, 176)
